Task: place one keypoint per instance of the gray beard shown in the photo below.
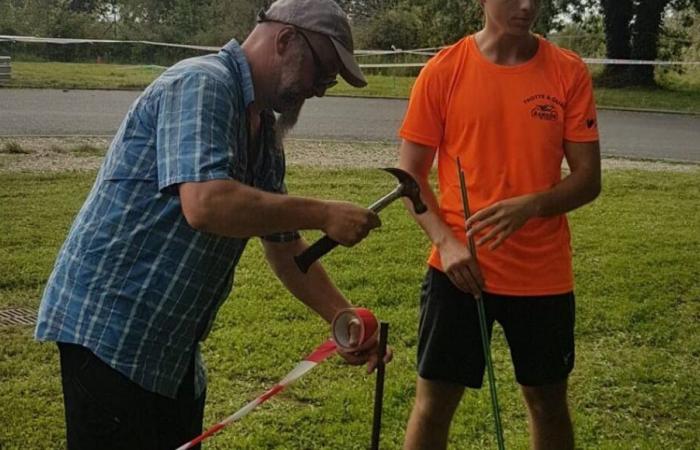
(284, 124)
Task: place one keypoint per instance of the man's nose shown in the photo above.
(527, 5)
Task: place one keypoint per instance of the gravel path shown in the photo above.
(37, 154)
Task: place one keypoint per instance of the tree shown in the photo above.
(632, 30)
(86, 6)
(363, 11)
(618, 38)
(398, 28)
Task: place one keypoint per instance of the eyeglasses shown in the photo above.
(327, 82)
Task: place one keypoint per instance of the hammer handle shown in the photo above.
(314, 252)
(385, 201)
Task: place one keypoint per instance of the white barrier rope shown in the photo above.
(65, 41)
(359, 53)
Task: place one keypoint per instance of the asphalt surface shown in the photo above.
(33, 112)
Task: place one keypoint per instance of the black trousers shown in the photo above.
(107, 411)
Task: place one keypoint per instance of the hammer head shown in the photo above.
(408, 188)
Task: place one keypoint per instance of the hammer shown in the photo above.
(407, 187)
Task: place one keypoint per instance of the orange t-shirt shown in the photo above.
(508, 125)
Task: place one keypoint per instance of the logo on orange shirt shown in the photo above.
(544, 112)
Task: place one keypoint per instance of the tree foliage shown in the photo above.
(634, 29)
(202, 22)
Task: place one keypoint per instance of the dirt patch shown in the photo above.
(43, 154)
(53, 154)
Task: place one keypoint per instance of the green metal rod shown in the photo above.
(482, 320)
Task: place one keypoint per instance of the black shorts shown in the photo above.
(539, 331)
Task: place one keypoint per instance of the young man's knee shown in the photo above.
(430, 412)
(436, 402)
(546, 403)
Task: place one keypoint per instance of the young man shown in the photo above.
(511, 106)
(194, 171)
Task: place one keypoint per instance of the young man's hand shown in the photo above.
(460, 266)
(502, 219)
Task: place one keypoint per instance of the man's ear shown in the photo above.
(284, 38)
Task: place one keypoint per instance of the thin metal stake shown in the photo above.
(379, 386)
(482, 319)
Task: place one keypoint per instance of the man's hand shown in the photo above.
(503, 218)
(348, 224)
(368, 352)
(460, 266)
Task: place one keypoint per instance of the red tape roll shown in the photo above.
(341, 327)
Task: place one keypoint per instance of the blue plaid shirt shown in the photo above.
(133, 282)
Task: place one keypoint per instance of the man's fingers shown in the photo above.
(457, 281)
(479, 225)
(493, 232)
(462, 278)
(480, 215)
(501, 237)
(354, 332)
(475, 274)
(354, 358)
(372, 362)
(389, 355)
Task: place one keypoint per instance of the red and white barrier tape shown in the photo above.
(341, 326)
(321, 353)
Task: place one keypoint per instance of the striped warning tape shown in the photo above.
(321, 353)
(340, 327)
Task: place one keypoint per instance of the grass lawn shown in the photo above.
(681, 93)
(638, 340)
(82, 76)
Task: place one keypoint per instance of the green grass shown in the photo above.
(681, 93)
(81, 76)
(638, 340)
(673, 99)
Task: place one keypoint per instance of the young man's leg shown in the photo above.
(432, 414)
(548, 412)
(450, 358)
(540, 334)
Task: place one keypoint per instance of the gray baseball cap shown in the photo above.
(324, 17)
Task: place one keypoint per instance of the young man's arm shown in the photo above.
(581, 186)
(233, 209)
(457, 261)
(316, 291)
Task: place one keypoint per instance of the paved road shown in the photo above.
(55, 112)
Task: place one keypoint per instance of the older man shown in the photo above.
(194, 171)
